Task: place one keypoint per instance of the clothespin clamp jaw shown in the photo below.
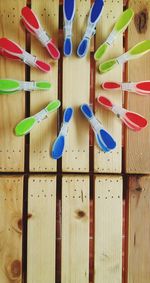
(43, 114)
(27, 86)
(64, 129)
(90, 31)
(128, 87)
(95, 124)
(42, 36)
(28, 59)
(123, 58)
(118, 111)
(68, 28)
(111, 38)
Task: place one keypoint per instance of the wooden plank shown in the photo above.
(139, 227)
(11, 202)
(12, 106)
(41, 229)
(76, 90)
(75, 229)
(108, 229)
(137, 145)
(111, 162)
(42, 137)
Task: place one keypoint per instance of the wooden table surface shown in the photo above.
(84, 218)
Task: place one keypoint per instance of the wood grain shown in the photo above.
(12, 106)
(139, 227)
(41, 229)
(137, 157)
(76, 90)
(108, 229)
(75, 229)
(42, 137)
(11, 203)
(109, 162)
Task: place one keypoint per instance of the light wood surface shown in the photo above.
(108, 229)
(73, 257)
(76, 91)
(75, 229)
(11, 203)
(109, 162)
(139, 227)
(137, 157)
(41, 229)
(43, 135)
(12, 106)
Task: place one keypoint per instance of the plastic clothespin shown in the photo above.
(33, 25)
(141, 88)
(8, 86)
(11, 50)
(60, 142)
(104, 140)
(69, 12)
(119, 28)
(135, 52)
(132, 120)
(95, 14)
(26, 125)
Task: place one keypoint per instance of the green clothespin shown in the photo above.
(26, 125)
(8, 86)
(135, 52)
(119, 28)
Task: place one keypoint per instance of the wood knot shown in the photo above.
(29, 215)
(20, 224)
(16, 268)
(141, 21)
(139, 189)
(80, 214)
(13, 270)
(17, 223)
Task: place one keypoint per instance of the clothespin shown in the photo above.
(119, 28)
(33, 25)
(60, 142)
(104, 140)
(8, 86)
(69, 12)
(141, 88)
(11, 50)
(26, 125)
(135, 52)
(132, 120)
(94, 16)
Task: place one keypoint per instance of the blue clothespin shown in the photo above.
(104, 140)
(69, 12)
(95, 14)
(59, 144)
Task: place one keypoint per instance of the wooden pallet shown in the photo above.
(83, 218)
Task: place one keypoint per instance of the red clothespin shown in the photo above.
(11, 50)
(132, 120)
(33, 25)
